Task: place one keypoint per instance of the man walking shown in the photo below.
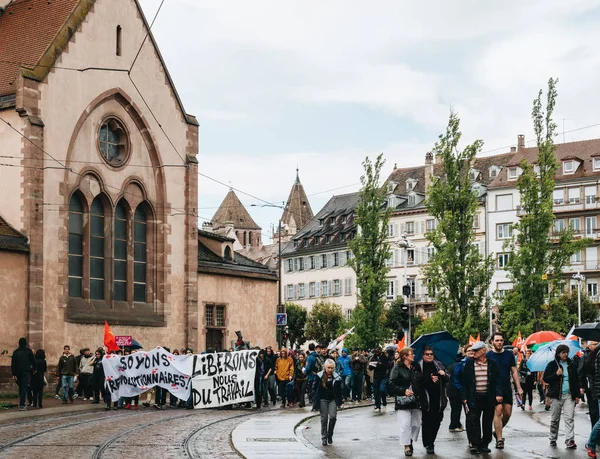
(586, 373)
(508, 367)
(380, 363)
(22, 366)
(455, 370)
(67, 369)
(358, 364)
(343, 362)
(481, 390)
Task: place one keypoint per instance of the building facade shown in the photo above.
(315, 264)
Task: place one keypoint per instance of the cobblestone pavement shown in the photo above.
(145, 434)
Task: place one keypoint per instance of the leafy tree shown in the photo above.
(396, 319)
(371, 250)
(296, 323)
(324, 322)
(538, 259)
(457, 271)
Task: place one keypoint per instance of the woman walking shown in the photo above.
(300, 380)
(327, 394)
(98, 377)
(405, 384)
(528, 380)
(38, 378)
(563, 392)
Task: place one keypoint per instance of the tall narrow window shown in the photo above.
(97, 250)
(75, 247)
(139, 255)
(119, 43)
(120, 252)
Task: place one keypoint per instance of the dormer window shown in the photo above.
(411, 200)
(321, 221)
(596, 164)
(493, 171)
(568, 167)
(327, 239)
(295, 243)
(391, 186)
(513, 173)
(305, 242)
(410, 184)
(473, 174)
(332, 220)
(344, 219)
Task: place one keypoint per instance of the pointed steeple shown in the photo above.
(233, 211)
(297, 211)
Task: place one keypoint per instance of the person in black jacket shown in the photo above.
(37, 378)
(98, 385)
(406, 380)
(327, 392)
(380, 363)
(481, 390)
(586, 373)
(22, 366)
(527, 379)
(563, 391)
(434, 401)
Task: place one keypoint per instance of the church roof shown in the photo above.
(11, 239)
(232, 210)
(34, 33)
(297, 206)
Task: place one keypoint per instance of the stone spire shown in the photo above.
(297, 212)
(232, 210)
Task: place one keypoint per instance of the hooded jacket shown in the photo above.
(318, 389)
(344, 364)
(22, 360)
(555, 381)
(284, 367)
(311, 365)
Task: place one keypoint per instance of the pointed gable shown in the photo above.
(232, 210)
(11, 239)
(297, 209)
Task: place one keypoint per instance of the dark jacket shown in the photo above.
(401, 378)
(457, 375)
(358, 363)
(451, 390)
(317, 389)
(37, 379)
(380, 364)
(442, 382)
(67, 366)
(587, 373)
(555, 381)
(596, 385)
(494, 388)
(98, 374)
(311, 365)
(22, 361)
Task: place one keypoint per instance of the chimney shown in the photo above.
(438, 158)
(521, 141)
(513, 149)
(207, 226)
(428, 169)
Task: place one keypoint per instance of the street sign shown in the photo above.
(282, 318)
(123, 341)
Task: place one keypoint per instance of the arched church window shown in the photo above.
(97, 250)
(113, 142)
(227, 253)
(139, 254)
(75, 247)
(120, 252)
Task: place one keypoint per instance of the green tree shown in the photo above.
(371, 250)
(296, 323)
(397, 320)
(538, 257)
(324, 322)
(457, 271)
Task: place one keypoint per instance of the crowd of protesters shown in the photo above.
(483, 383)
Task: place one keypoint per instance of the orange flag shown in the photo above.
(109, 338)
(472, 340)
(402, 343)
(518, 342)
(478, 336)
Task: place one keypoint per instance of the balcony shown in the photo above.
(590, 203)
(583, 266)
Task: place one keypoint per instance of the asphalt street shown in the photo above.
(361, 433)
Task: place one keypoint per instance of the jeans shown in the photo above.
(595, 433)
(281, 391)
(272, 386)
(565, 404)
(258, 391)
(328, 410)
(456, 407)
(475, 424)
(379, 391)
(346, 385)
(368, 385)
(593, 407)
(67, 385)
(23, 380)
(300, 388)
(357, 386)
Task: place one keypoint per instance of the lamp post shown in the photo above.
(579, 278)
(405, 244)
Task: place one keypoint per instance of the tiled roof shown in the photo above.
(232, 210)
(297, 206)
(27, 28)
(11, 239)
(584, 151)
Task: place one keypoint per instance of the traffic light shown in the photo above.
(406, 290)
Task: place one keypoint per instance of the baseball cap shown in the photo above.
(478, 345)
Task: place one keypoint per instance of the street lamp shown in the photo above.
(405, 244)
(579, 278)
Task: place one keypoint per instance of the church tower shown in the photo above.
(296, 214)
(233, 220)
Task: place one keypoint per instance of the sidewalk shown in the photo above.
(274, 433)
(57, 409)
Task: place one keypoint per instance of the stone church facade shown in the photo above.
(102, 173)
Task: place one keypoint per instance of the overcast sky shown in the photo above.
(321, 85)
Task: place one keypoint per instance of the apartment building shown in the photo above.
(315, 264)
(575, 205)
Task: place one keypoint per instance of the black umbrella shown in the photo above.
(444, 345)
(589, 331)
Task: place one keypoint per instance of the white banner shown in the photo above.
(130, 375)
(223, 378)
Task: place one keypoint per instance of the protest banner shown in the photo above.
(223, 378)
(130, 375)
(123, 341)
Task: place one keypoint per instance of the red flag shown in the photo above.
(402, 343)
(109, 338)
(518, 342)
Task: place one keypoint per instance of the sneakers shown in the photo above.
(552, 442)
(85, 399)
(330, 440)
(485, 449)
(22, 408)
(324, 442)
(430, 450)
(591, 452)
(135, 407)
(75, 395)
(57, 397)
(571, 444)
(128, 406)
(474, 450)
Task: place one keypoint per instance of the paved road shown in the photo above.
(362, 434)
